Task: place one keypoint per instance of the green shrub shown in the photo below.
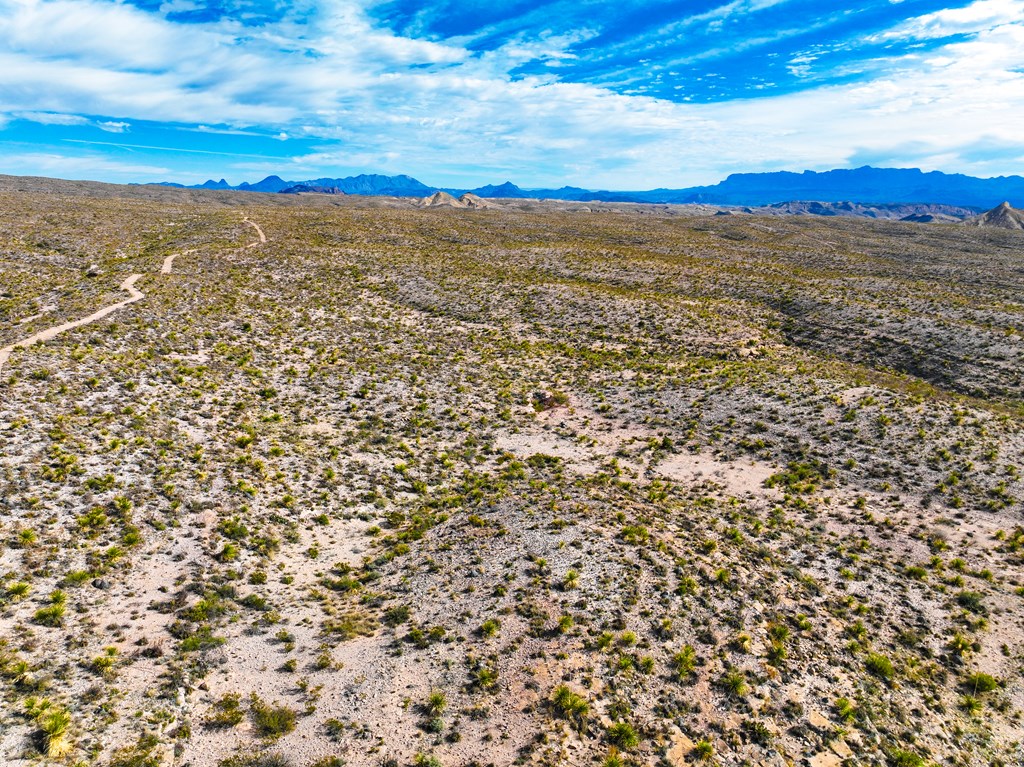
(980, 683)
(51, 616)
(846, 709)
(622, 735)
(489, 627)
(901, 758)
(256, 760)
(685, 661)
(971, 601)
(703, 751)
(880, 666)
(271, 720)
(571, 706)
(735, 682)
(54, 724)
(436, 703)
(226, 712)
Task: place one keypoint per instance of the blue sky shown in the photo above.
(620, 95)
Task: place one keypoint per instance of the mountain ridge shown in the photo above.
(864, 185)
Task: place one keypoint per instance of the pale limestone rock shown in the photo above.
(825, 759)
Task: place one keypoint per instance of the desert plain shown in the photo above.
(352, 481)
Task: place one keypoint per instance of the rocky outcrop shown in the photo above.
(1002, 216)
(441, 200)
(470, 200)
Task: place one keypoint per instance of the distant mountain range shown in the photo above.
(366, 184)
(862, 185)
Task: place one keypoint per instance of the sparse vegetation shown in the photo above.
(525, 485)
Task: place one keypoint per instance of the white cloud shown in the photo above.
(113, 126)
(180, 6)
(431, 107)
(69, 166)
(977, 17)
(52, 118)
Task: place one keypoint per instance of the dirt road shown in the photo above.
(169, 261)
(128, 285)
(263, 237)
(49, 333)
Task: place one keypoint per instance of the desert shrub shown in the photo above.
(735, 683)
(622, 735)
(329, 761)
(571, 706)
(880, 666)
(684, 662)
(271, 720)
(435, 704)
(226, 712)
(971, 601)
(54, 723)
(846, 709)
(397, 615)
(256, 760)
(980, 683)
(703, 751)
(53, 615)
(901, 758)
(800, 477)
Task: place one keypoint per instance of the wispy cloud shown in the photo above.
(52, 118)
(605, 102)
(979, 16)
(113, 126)
(150, 147)
(86, 166)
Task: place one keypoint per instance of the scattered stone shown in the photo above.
(818, 721)
(825, 759)
(679, 749)
(842, 750)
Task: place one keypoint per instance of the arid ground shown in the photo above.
(537, 484)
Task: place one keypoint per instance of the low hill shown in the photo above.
(471, 200)
(441, 200)
(923, 213)
(1002, 216)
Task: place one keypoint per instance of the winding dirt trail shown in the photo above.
(133, 296)
(169, 261)
(46, 335)
(263, 237)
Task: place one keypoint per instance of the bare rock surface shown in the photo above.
(1003, 216)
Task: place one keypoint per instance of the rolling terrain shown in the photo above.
(351, 481)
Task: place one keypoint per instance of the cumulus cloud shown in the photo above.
(327, 73)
